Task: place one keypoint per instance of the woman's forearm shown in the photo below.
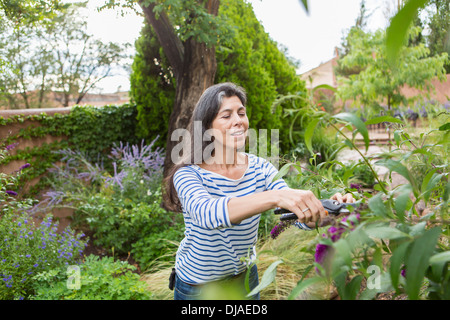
(241, 208)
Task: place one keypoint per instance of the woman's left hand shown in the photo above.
(348, 197)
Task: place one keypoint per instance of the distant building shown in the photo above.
(323, 74)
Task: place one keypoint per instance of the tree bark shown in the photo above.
(198, 73)
(194, 66)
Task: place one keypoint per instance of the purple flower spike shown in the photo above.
(26, 165)
(321, 251)
(11, 193)
(279, 228)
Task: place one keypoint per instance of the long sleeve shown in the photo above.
(205, 210)
(270, 171)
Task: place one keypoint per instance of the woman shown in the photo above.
(222, 195)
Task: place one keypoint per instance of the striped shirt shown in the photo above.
(213, 247)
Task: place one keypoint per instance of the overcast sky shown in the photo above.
(309, 38)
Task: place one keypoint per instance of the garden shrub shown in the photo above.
(99, 279)
(121, 209)
(387, 245)
(358, 172)
(27, 249)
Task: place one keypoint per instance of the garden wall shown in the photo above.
(28, 143)
(37, 135)
(13, 129)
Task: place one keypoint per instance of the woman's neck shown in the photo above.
(225, 160)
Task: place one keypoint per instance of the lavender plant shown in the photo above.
(122, 207)
(137, 170)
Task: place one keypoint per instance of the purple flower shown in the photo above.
(11, 193)
(403, 273)
(279, 228)
(322, 255)
(11, 146)
(321, 251)
(356, 186)
(26, 165)
(335, 233)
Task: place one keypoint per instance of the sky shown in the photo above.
(310, 38)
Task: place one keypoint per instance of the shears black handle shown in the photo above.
(333, 207)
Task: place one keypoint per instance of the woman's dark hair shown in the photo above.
(204, 112)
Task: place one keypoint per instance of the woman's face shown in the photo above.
(231, 124)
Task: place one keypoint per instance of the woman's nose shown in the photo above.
(236, 119)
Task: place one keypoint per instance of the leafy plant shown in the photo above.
(409, 251)
(100, 279)
(122, 209)
(27, 249)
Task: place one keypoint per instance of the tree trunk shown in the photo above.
(194, 66)
(198, 73)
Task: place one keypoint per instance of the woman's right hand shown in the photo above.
(303, 203)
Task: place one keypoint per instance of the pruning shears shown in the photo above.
(333, 207)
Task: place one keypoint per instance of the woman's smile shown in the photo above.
(231, 123)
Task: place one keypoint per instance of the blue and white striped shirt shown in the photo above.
(213, 247)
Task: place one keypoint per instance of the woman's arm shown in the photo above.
(303, 203)
(294, 200)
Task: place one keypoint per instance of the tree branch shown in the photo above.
(168, 39)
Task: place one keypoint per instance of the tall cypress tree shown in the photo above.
(152, 87)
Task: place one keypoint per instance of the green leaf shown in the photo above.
(348, 291)
(445, 127)
(401, 200)
(381, 232)
(309, 133)
(305, 5)
(283, 171)
(357, 123)
(267, 278)
(302, 285)
(383, 119)
(440, 257)
(397, 259)
(429, 182)
(395, 166)
(324, 86)
(417, 261)
(438, 263)
(377, 206)
(396, 33)
(385, 286)
(446, 191)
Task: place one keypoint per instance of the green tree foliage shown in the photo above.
(377, 84)
(152, 86)
(30, 11)
(247, 57)
(439, 26)
(255, 62)
(54, 53)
